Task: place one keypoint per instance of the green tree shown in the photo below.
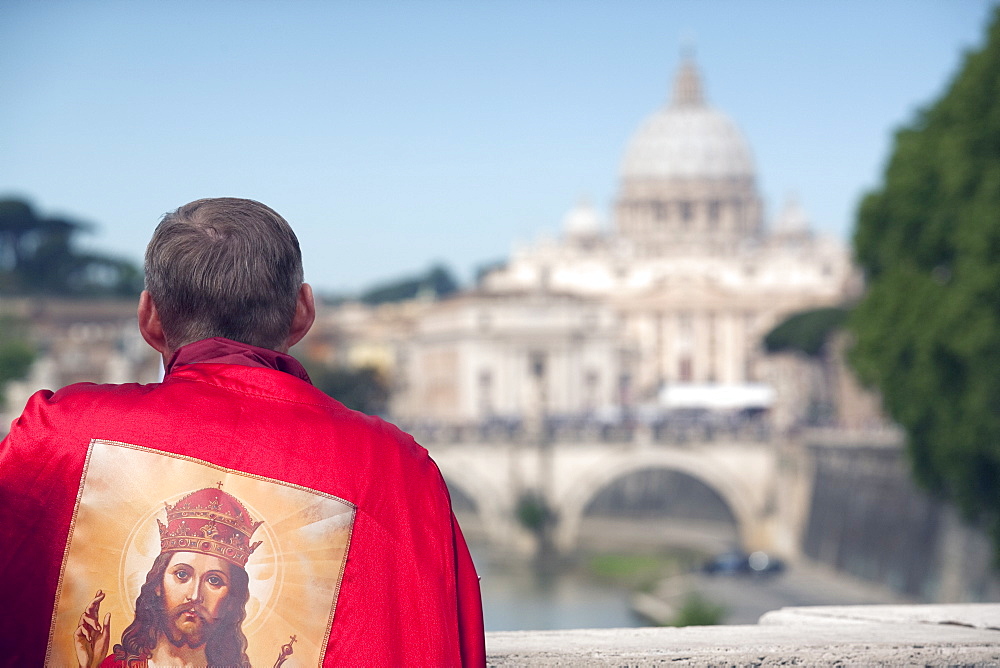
(806, 332)
(928, 329)
(698, 611)
(17, 219)
(437, 282)
(362, 389)
(38, 257)
(16, 353)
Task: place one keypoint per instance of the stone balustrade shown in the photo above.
(887, 635)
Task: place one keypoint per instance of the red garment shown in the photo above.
(112, 662)
(408, 594)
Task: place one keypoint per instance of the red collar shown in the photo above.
(218, 350)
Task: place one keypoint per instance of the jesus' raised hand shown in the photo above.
(92, 638)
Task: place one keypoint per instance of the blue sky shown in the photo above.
(397, 134)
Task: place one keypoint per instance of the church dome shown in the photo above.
(687, 139)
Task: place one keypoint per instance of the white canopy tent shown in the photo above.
(717, 397)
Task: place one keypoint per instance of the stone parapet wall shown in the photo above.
(930, 635)
(869, 519)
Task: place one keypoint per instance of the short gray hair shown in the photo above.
(224, 267)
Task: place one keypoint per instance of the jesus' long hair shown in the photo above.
(227, 646)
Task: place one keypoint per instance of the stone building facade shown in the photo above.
(667, 309)
(506, 356)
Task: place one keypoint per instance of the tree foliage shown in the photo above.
(533, 512)
(16, 357)
(16, 353)
(362, 389)
(698, 611)
(806, 332)
(38, 256)
(928, 329)
(437, 282)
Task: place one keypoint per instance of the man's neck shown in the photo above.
(225, 351)
(167, 654)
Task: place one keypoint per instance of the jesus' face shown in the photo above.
(194, 588)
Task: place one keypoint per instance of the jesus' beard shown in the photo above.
(187, 625)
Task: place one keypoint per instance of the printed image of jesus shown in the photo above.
(157, 574)
(191, 608)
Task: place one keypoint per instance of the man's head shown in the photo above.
(224, 267)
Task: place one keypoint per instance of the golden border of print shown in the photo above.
(295, 574)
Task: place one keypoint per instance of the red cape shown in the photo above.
(409, 593)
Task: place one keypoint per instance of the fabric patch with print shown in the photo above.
(169, 553)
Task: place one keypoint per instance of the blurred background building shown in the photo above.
(665, 310)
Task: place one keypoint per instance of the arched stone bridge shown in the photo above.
(764, 490)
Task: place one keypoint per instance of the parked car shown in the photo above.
(737, 562)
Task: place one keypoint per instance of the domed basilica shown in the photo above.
(667, 309)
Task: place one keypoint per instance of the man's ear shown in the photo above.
(305, 315)
(149, 323)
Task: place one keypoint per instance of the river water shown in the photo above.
(518, 597)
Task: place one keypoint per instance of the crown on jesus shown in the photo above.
(211, 522)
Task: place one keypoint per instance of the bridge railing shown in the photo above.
(677, 430)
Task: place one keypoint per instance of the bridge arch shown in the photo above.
(487, 498)
(734, 492)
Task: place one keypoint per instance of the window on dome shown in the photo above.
(659, 211)
(738, 214)
(687, 212)
(714, 209)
